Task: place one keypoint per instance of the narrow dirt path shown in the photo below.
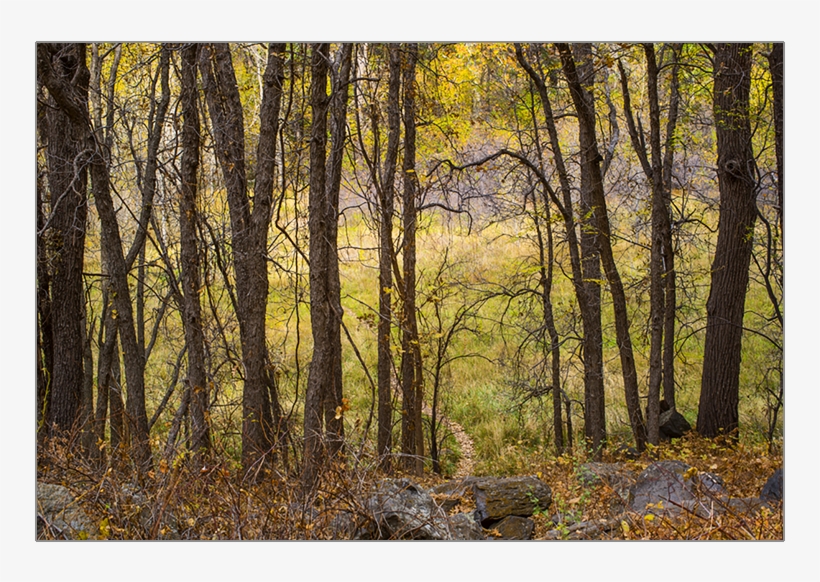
(466, 464)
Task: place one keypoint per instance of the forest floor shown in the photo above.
(180, 501)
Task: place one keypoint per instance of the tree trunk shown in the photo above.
(661, 238)
(412, 389)
(62, 69)
(594, 403)
(189, 254)
(387, 190)
(319, 376)
(578, 79)
(249, 230)
(670, 277)
(545, 266)
(717, 410)
(775, 58)
(123, 313)
(45, 332)
(340, 90)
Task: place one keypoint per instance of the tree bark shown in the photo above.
(412, 388)
(189, 254)
(249, 230)
(718, 407)
(590, 167)
(386, 203)
(123, 313)
(670, 277)
(654, 168)
(45, 331)
(775, 58)
(594, 401)
(62, 69)
(340, 90)
(319, 376)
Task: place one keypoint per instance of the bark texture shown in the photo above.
(386, 258)
(249, 230)
(412, 389)
(189, 252)
(580, 81)
(62, 69)
(320, 375)
(718, 407)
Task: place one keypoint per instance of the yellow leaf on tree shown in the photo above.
(649, 517)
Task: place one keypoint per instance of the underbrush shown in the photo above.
(178, 500)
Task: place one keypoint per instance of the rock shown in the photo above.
(401, 509)
(673, 424)
(663, 487)
(515, 528)
(60, 516)
(744, 505)
(583, 530)
(711, 483)
(616, 475)
(709, 507)
(450, 493)
(343, 526)
(496, 498)
(564, 519)
(464, 527)
(773, 489)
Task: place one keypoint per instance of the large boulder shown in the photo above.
(668, 486)
(60, 516)
(773, 489)
(401, 509)
(496, 498)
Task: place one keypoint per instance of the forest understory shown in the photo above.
(273, 278)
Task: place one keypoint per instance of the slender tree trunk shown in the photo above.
(386, 258)
(249, 230)
(670, 277)
(660, 232)
(86, 416)
(107, 343)
(775, 58)
(412, 390)
(123, 313)
(340, 87)
(45, 332)
(591, 271)
(189, 254)
(590, 167)
(718, 407)
(545, 265)
(661, 245)
(594, 402)
(319, 378)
